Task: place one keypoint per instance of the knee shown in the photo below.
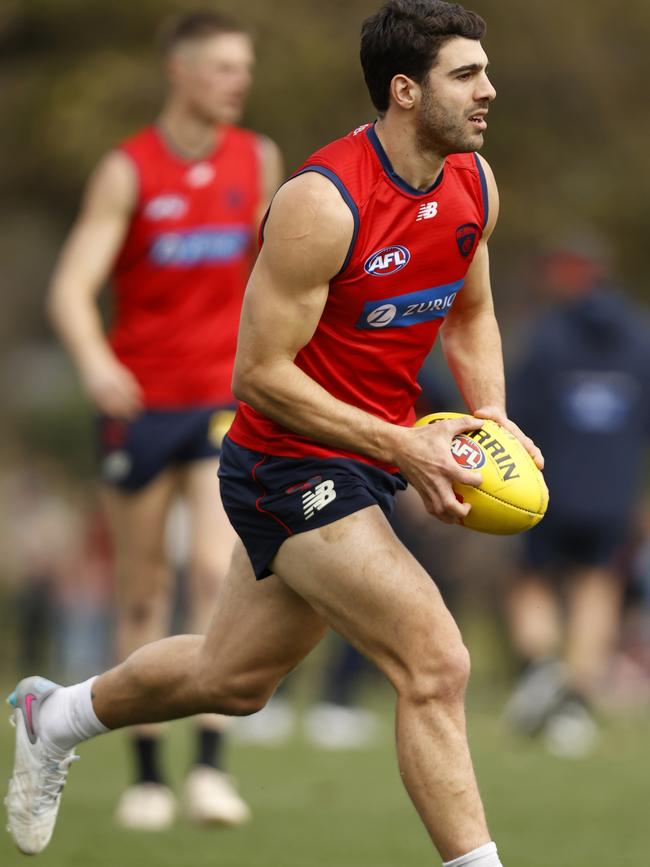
(142, 609)
(240, 695)
(234, 702)
(440, 675)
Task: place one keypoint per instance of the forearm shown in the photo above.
(77, 321)
(472, 348)
(287, 395)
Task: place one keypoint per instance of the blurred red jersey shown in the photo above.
(407, 261)
(180, 276)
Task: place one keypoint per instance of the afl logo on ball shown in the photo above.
(467, 453)
(387, 261)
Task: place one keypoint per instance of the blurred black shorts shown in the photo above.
(269, 498)
(131, 454)
(560, 544)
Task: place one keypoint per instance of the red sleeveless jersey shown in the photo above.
(407, 261)
(180, 276)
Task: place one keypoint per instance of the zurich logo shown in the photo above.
(381, 316)
(387, 261)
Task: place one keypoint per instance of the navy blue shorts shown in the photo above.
(565, 544)
(131, 454)
(268, 498)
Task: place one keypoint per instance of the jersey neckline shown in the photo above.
(167, 145)
(387, 166)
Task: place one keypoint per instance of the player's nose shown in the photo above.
(487, 89)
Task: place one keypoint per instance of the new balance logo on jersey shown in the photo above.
(314, 501)
(427, 211)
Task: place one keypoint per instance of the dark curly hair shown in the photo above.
(405, 36)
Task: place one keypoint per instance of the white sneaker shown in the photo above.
(571, 732)
(271, 726)
(538, 693)
(146, 807)
(210, 798)
(40, 771)
(337, 727)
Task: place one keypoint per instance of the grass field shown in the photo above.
(315, 808)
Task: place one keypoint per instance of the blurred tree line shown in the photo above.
(568, 135)
(567, 140)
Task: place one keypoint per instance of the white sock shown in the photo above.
(484, 856)
(67, 717)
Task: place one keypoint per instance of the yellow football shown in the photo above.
(513, 495)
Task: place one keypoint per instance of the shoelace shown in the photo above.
(53, 782)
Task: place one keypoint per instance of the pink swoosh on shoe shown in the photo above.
(29, 700)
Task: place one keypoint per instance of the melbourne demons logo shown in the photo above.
(387, 261)
(466, 236)
(467, 453)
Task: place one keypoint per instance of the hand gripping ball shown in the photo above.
(513, 495)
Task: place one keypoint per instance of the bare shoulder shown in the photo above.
(272, 164)
(310, 204)
(268, 149)
(113, 184)
(310, 228)
(493, 196)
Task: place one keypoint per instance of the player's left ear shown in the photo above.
(404, 91)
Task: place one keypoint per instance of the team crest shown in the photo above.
(466, 237)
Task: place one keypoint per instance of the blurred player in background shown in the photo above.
(171, 217)
(583, 391)
(374, 246)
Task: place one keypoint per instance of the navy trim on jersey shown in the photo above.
(347, 198)
(390, 171)
(484, 188)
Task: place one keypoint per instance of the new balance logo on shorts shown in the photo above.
(314, 501)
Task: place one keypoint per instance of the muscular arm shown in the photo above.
(470, 336)
(83, 267)
(471, 340)
(307, 237)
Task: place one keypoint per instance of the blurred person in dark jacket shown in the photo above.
(582, 390)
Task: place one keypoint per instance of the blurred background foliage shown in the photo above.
(567, 139)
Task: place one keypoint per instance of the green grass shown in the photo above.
(314, 808)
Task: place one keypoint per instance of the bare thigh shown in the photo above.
(259, 632)
(144, 582)
(360, 578)
(212, 539)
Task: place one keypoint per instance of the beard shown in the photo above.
(439, 131)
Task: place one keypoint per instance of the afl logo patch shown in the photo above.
(166, 207)
(467, 453)
(386, 261)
